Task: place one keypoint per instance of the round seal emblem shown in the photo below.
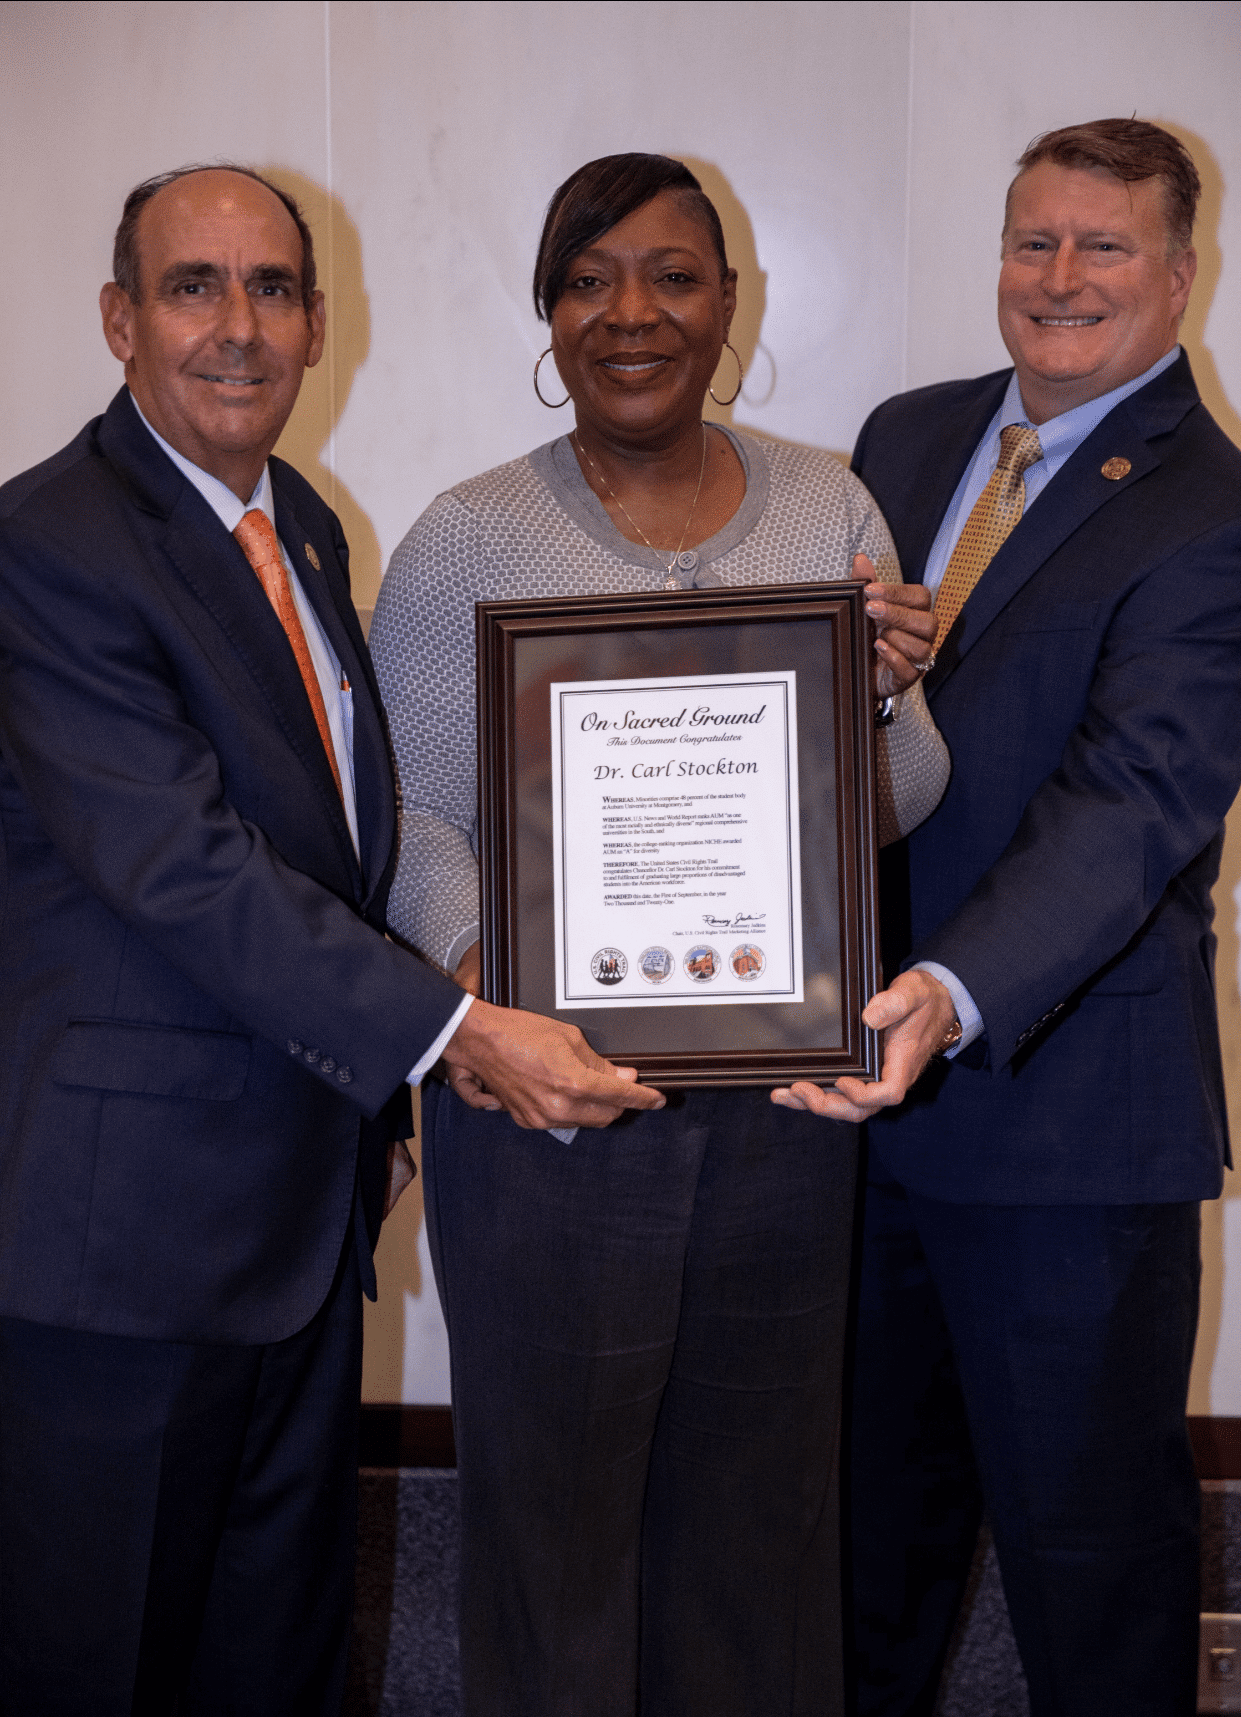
(702, 963)
(747, 961)
(655, 965)
(608, 966)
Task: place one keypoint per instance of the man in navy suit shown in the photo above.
(1028, 1279)
(208, 1039)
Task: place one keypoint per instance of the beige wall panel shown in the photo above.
(94, 98)
(453, 124)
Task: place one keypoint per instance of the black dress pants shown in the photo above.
(1035, 1359)
(645, 1328)
(177, 1521)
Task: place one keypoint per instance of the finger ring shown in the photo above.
(925, 667)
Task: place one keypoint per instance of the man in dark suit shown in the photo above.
(1029, 1268)
(208, 1038)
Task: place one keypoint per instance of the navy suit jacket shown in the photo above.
(203, 1025)
(1090, 695)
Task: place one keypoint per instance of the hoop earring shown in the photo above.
(543, 401)
(728, 346)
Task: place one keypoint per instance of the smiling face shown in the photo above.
(215, 349)
(641, 323)
(1089, 297)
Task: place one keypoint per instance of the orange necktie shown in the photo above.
(257, 536)
(994, 514)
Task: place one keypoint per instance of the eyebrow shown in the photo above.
(660, 254)
(266, 271)
(189, 271)
(275, 271)
(1111, 233)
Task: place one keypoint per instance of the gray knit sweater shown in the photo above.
(535, 528)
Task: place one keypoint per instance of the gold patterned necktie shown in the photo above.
(261, 546)
(995, 513)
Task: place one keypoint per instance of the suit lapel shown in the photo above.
(296, 540)
(943, 464)
(375, 800)
(220, 578)
(1078, 490)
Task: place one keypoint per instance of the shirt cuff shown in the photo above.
(972, 1026)
(424, 1065)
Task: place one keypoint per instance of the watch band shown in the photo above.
(951, 1037)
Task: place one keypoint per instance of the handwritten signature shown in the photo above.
(739, 921)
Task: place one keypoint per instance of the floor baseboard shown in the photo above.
(395, 1436)
(1217, 1446)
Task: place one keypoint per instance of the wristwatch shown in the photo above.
(951, 1037)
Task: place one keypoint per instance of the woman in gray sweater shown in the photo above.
(645, 1321)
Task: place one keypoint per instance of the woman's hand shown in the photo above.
(905, 629)
(469, 972)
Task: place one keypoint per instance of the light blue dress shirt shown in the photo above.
(1059, 437)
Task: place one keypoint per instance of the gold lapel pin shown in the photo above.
(313, 558)
(1113, 470)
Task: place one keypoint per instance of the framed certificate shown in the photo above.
(677, 827)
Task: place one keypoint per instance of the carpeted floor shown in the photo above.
(404, 1661)
(404, 1657)
(983, 1676)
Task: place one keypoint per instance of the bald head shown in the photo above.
(126, 262)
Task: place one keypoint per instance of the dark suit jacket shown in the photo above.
(200, 1015)
(1090, 694)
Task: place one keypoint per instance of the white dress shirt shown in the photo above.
(337, 693)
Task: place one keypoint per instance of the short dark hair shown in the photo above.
(125, 270)
(1132, 150)
(599, 196)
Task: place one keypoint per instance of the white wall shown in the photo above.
(858, 152)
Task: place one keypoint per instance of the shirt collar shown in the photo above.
(218, 496)
(1062, 435)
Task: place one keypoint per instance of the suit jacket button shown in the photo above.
(344, 1074)
(295, 1047)
(312, 1056)
(327, 1065)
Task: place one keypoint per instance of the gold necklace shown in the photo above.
(671, 582)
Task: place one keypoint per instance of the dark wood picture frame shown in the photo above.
(821, 630)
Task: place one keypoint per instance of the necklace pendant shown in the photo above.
(687, 560)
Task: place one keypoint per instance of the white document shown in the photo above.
(676, 841)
